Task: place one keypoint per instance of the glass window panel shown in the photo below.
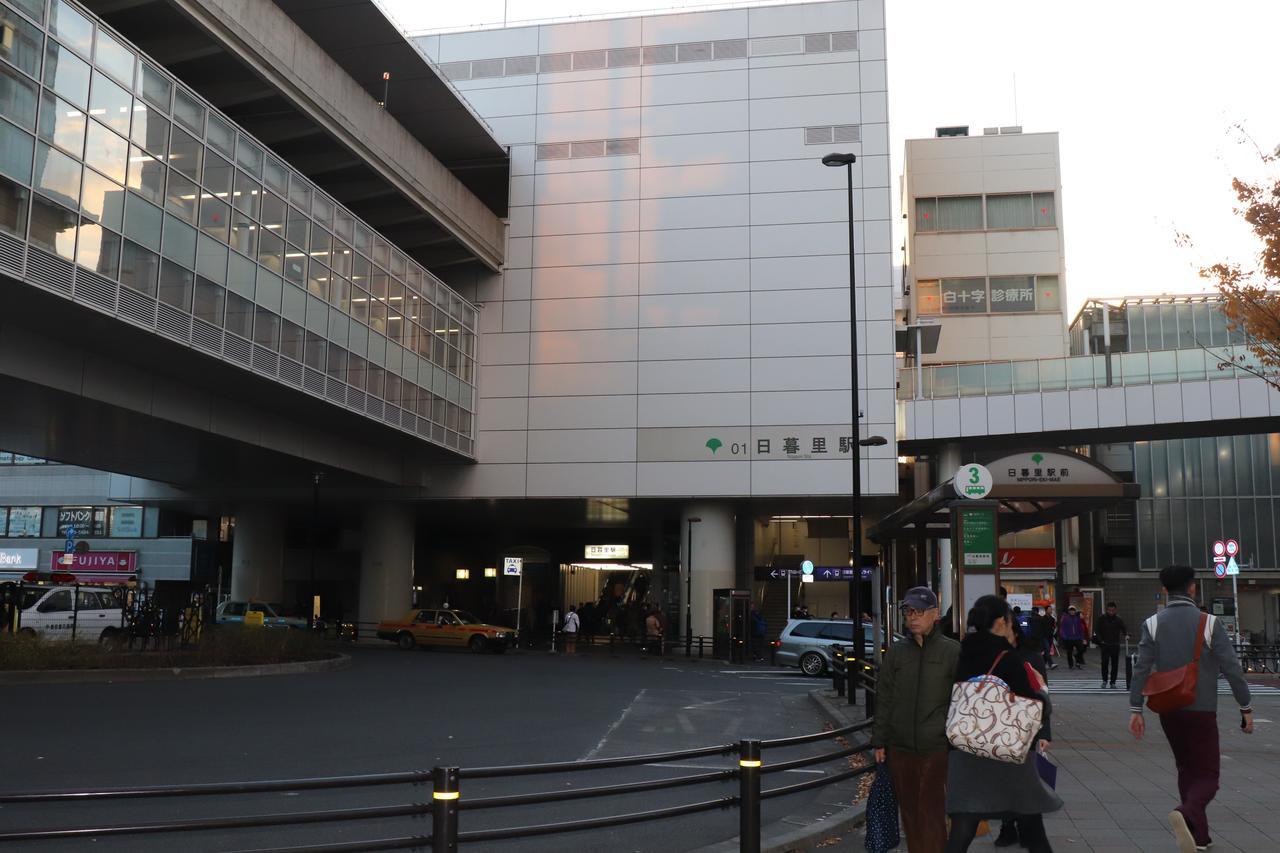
(182, 197)
(373, 379)
(240, 315)
(188, 110)
(1046, 214)
(337, 368)
(1198, 541)
(360, 304)
(379, 251)
(1013, 293)
(211, 259)
(1226, 466)
(340, 294)
(1080, 372)
(221, 135)
(960, 213)
(139, 268)
(241, 275)
(109, 103)
(57, 176)
(273, 213)
(1177, 468)
(1163, 534)
(299, 192)
(1053, 374)
(98, 249)
(1265, 552)
(176, 285)
(271, 252)
(1164, 366)
(1179, 540)
(322, 210)
(215, 217)
(964, 295)
(102, 200)
(928, 300)
(1142, 466)
(926, 214)
(1262, 484)
(1182, 313)
(1135, 368)
(185, 152)
(142, 221)
(1010, 211)
(298, 229)
(360, 271)
(146, 175)
(218, 175)
(945, 379)
(276, 176)
(1243, 458)
(363, 238)
(247, 195)
(295, 266)
(1246, 530)
(66, 73)
(210, 301)
(972, 376)
(13, 208)
(1169, 326)
(1209, 467)
(71, 27)
(1191, 364)
(150, 129)
(179, 242)
(268, 292)
(318, 279)
(106, 152)
(1194, 467)
(249, 156)
(17, 98)
(1159, 469)
(266, 329)
(1048, 296)
(16, 151)
(154, 86)
(1137, 330)
(355, 371)
(320, 243)
(397, 265)
(343, 225)
(244, 234)
(1026, 376)
(316, 352)
(22, 42)
(291, 340)
(114, 58)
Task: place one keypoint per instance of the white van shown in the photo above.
(51, 612)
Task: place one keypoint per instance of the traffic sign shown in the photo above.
(1232, 567)
(806, 568)
(972, 481)
(513, 566)
(1233, 547)
(1220, 571)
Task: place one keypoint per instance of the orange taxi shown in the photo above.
(431, 627)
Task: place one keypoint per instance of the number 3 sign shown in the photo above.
(972, 481)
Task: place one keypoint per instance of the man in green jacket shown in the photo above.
(913, 692)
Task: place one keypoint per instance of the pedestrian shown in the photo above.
(980, 788)
(653, 633)
(1029, 649)
(587, 621)
(1173, 638)
(1108, 633)
(1071, 632)
(1050, 633)
(758, 629)
(571, 625)
(913, 693)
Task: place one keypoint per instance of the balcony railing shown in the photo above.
(986, 378)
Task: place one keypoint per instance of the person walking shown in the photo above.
(653, 633)
(913, 693)
(1050, 633)
(1029, 650)
(1173, 638)
(1071, 632)
(758, 629)
(1108, 634)
(571, 626)
(980, 788)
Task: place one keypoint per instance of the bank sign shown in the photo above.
(19, 559)
(114, 562)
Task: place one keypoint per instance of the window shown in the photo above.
(62, 124)
(1023, 210)
(176, 285)
(102, 200)
(98, 249)
(58, 601)
(249, 156)
(142, 221)
(837, 631)
(239, 315)
(211, 260)
(233, 608)
(22, 42)
(150, 129)
(66, 74)
(964, 295)
(949, 213)
(106, 152)
(185, 154)
(266, 329)
(24, 522)
(17, 98)
(53, 227)
(110, 104)
(928, 300)
(182, 196)
(215, 217)
(16, 149)
(57, 175)
(13, 207)
(188, 110)
(1014, 293)
(146, 175)
(807, 629)
(154, 86)
(114, 58)
(248, 194)
(139, 268)
(220, 135)
(291, 340)
(179, 242)
(209, 301)
(316, 353)
(1047, 295)
(70, 26)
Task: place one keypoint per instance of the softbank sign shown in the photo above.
(20, 558)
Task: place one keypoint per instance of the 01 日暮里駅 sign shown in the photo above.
(746, 444)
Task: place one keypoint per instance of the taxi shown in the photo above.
(431, 627)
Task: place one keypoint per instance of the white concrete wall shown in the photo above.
(695, 290)
(976, 165)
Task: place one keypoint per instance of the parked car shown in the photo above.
(807, 643)
(92, 615)
(232, 613)
(432, 627)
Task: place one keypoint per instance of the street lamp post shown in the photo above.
(688, 592)
(311, 547)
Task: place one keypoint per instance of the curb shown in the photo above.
(89, 676)
(807, 832)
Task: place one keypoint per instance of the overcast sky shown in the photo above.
(1144, 94)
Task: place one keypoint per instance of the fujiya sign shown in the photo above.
(20, 558)
(97, 561)
(1039, 467)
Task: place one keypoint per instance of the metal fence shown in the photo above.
(448, 802)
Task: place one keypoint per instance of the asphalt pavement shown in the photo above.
(393, 711)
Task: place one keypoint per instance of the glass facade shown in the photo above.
(1198, 490)
(117, 173)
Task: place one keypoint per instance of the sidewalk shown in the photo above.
(1118, 792)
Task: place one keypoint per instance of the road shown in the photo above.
(399, 711)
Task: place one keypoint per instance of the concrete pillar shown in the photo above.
(257, 555)
(386, 562)
(712, 564)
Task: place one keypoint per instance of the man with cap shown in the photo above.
(913, 693)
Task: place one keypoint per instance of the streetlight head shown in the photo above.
(836, 159)
(694, 520)
(874, 441)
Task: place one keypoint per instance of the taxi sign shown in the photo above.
(513, 566)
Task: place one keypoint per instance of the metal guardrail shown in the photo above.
(865, 673)
(447, 801)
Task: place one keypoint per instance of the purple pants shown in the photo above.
(1193, 737)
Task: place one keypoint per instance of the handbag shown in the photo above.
(1047, 769)
(882, 814)
(1176, 688)
(989, 720)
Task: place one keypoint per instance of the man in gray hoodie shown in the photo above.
(1168, 642)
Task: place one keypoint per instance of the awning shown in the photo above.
(1033, 488)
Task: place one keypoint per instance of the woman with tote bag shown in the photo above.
(978, 787)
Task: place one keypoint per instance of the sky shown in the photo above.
(1146, 96)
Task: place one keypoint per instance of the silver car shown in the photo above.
(807, 643)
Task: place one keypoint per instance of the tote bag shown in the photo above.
(882, 814)
(989, 720)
